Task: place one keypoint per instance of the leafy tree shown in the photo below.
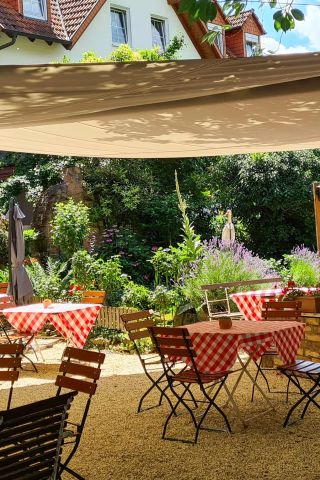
(285, 15)
(271, 193)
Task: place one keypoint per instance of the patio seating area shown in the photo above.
(125, 445)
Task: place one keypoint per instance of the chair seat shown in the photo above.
(301, 367)
(190, 376)
(225, 314)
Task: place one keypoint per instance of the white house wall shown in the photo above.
(97, 36)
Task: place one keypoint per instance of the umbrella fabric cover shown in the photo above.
(187, 108)
(20, 286)
(228, 233)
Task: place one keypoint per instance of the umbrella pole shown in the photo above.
(11, 210)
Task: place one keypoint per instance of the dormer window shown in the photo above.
(35, 9)
(219, 39)
(252, 45)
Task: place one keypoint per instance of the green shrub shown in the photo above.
(49, 281)
(30, 239)
(303, 267)
(137, 296)
(3, 244)
(70, 226)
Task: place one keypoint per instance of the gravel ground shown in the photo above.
(119, 444)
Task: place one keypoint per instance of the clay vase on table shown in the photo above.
(225, 323)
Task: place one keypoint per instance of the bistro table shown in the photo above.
(73, 320)
(217, 350)
(250, 303)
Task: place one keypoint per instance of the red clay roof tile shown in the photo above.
(67, 16)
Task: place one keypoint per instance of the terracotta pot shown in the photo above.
(225, 323)
(46, 303)
(310, 304)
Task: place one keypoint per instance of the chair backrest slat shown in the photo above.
(282, 311)
(11, 349)
(173, 342)
(94, 296)
(84, 355)
(138, 335)
(75, 384)
(137, 324)
(241, 283)
(82, 370)
(9, 376)
(10, 361)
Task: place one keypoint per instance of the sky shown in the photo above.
(304, 38)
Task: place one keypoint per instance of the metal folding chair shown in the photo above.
(10, 361)
(137, 325)
(276, 311)
(176, 342)
(307, 370)
(85, 364)
(31, 439)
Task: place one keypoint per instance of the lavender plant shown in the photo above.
(222, 263)
(303, 266)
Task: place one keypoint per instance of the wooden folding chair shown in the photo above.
(176, 342)
(87, 365)
(94, 296)
(9, 334)
(10, 361)
(137, 325)
(31, 439)
(276, 311)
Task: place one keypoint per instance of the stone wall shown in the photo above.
(71, 187)
(310, 347)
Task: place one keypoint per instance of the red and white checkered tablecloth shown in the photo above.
(250, 303)
(217, 349)
(73, 320)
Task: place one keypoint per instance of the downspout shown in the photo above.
(9, 44)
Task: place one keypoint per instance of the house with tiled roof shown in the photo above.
(43, 31)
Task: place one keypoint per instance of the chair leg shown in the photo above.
(155, 384)
(73, 473)
(173, 411)
(259, 371)
(304, 396)
(308, 403)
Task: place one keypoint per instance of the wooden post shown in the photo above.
(316, 200)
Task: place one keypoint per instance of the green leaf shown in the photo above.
(278, 15)
(287, 22)
(211, 11)
(186, 5)
(297, 14)
(209, 37)
(277, 25)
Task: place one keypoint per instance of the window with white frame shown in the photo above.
(158, 29)
(219, 38)
(252, 44)
(35, 9)
(119, 26)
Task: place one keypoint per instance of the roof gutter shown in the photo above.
(9, 44)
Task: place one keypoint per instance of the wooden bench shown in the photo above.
(220, 307)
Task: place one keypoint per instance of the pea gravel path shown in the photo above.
(119, 444)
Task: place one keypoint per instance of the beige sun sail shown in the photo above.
(170, 109)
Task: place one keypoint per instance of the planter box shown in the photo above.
(310, 304)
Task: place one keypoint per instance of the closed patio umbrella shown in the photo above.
(19, 285)
(228, 232)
